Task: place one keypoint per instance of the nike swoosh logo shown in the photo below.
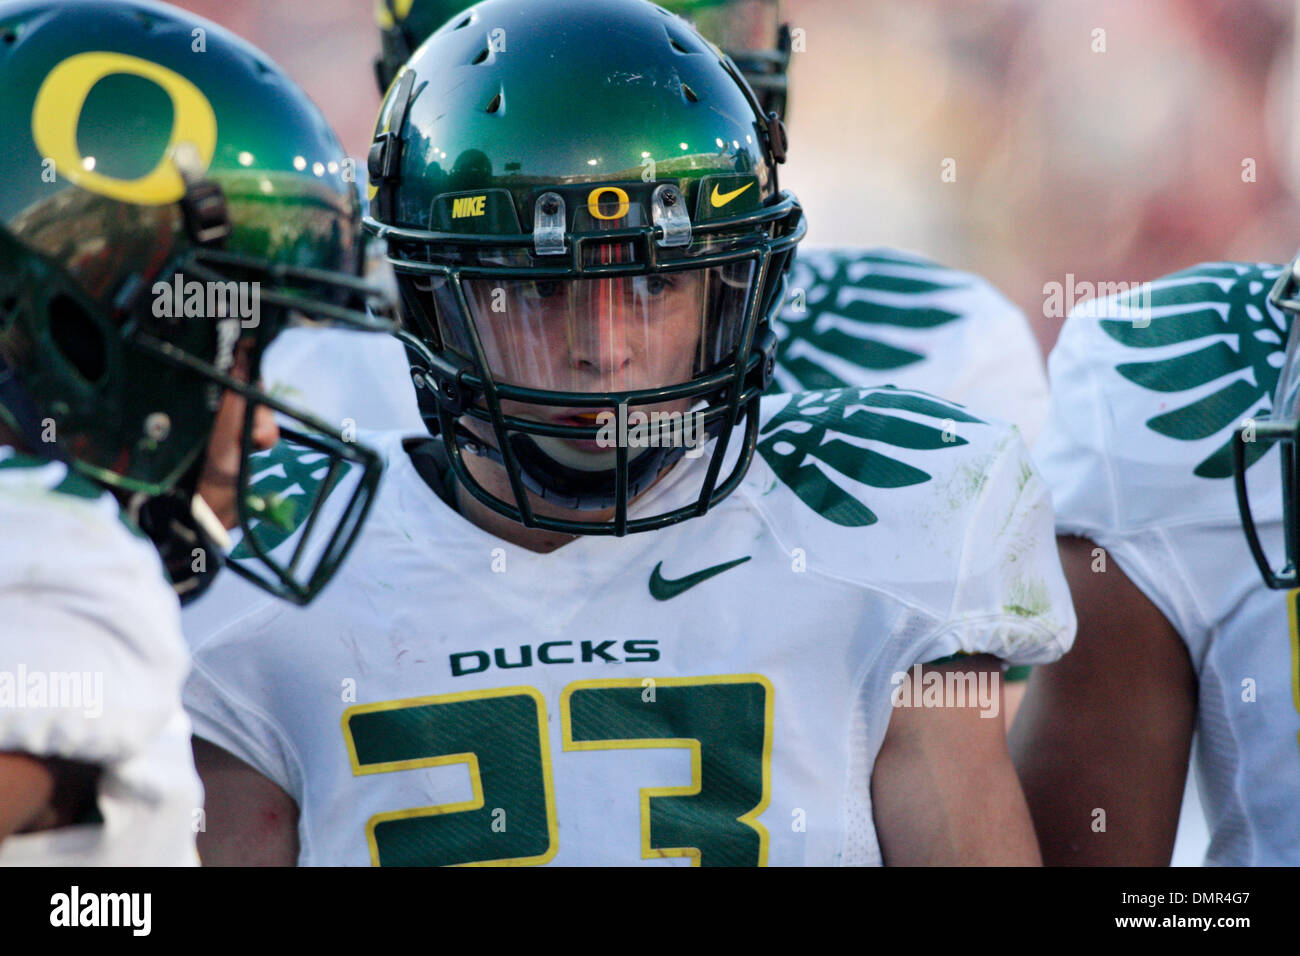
(662, 589)
(721, 199)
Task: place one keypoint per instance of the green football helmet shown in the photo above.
(1281, 427)
(581, 206)
(750, 31)
(172, 200)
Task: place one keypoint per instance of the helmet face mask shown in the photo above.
(1281, 427)
(125, 299)
(588, 356)
(587, 379)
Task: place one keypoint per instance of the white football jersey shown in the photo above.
(1137, 453)
(713, 692)
(884, 317)
(352, 380)
(851, 317)
(91, 668)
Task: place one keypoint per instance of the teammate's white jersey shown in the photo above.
(852, 317)
(1137, 454)
(351, 380)
(884, 317)
(724, 683)
(91, 668)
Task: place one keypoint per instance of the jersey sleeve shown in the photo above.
(91, 656)
(224, 688)
(1130, 449)
(1010, 597)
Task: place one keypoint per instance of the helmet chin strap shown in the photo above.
(574, 488)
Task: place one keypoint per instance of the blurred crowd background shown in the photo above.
(1111, 140)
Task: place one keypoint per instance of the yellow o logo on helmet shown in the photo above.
(593, 202)
(57, 113)
(387, 12)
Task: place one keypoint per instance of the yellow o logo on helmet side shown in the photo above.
(387, 12)
(593, 202)
(57, 113)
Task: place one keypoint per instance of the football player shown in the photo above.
(854, 316)
(1179, 631)
(153, 162)
(618, 606)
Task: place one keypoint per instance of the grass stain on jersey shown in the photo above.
(1028, 599)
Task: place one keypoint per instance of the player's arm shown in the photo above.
(43, 793)
(248, 820)
(1108, 727)
(26, 788)
(944, 788)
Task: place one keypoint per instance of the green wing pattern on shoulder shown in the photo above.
(287, 481)
(55, 476)
(70, 482)
(861, 289)
(1218, 319)
(813, 426)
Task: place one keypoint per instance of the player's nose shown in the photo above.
(603, 344)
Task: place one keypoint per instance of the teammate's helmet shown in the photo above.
(1281, 427)
(169, 195)
(750, 31)
(403, 26)
(581, 204)
(756, 38)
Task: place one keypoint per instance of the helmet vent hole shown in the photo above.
(464, 23)
(10, 37)
(77, 338)
(483, 55)
(682, 42)
(689, 94)
(495, 105)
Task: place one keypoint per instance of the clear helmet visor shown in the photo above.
(611, 334)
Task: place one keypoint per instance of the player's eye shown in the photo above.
(543, 289)
(659, 284)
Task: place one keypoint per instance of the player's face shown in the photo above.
(591, 335)
(219, 481)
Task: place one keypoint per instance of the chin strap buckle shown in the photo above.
(766, 346)
(668, 211)
(383, 164)
(203, 206)
(549, 219)
(777, 138)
